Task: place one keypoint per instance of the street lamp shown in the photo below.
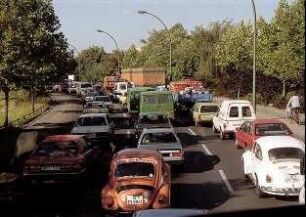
(79, 57)
(118, 66)
(170, 46)
(254, 56)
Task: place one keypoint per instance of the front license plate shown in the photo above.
(50, 168)
(133, 200)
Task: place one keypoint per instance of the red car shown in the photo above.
(251, 130)
(139, 179)
(58, 158)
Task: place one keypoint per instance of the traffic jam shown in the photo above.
(134, 133)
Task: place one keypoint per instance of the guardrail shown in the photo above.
(27, 117)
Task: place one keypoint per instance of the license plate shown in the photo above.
(51, 168)
(92, 135)
(292, 178)
(132, 200)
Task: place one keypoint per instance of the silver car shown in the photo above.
(165, 141)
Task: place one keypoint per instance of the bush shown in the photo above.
(249, 97)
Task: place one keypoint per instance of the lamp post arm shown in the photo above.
(254, 57)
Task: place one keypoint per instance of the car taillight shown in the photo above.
(268, 179)
(108, 201)
(178, 153)
(162, 198)
(29, 168)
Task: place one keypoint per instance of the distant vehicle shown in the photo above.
(179, 86)
(58, 159)
(133, 98)
(138, 179)
(203, 112)
(58, 87)
(95, 126)
(72, 89)
(184, 102)
(89, 96)
(151, 120)
(105, 99)
(161, 88)
(82, 86)
(165, 141)
(122, 125)
(251, 130)
(122, 87)
(231, 115)
(95, 107)
(110, 81)
(157, 101)
(273, 164)
(171, 212)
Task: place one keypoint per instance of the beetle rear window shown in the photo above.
(285, 153)
(134, 169)
(209, 109)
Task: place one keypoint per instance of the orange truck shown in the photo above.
(178, 86)
(109, 82)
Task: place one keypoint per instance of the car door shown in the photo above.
(244, 133)
(250, 163)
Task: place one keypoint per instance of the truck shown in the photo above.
(133, 97)
(109, 82)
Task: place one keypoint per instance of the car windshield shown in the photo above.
(56, 149)
(85, 85)
(135, 169)
(91, 121)
(153, 119)
(162, 138)
(286, 153)
(102, 98)
(272, 129)
(209, 108)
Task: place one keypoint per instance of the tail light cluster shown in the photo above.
(177, 153)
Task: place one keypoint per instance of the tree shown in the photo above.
(131, 58)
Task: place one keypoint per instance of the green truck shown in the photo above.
(133, 96)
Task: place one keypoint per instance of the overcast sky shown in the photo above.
(80, 19)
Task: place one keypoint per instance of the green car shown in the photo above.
(132, 99)
(203, 112)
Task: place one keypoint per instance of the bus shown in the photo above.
(132, 100)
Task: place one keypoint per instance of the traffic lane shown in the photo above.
(199, 185)
(243, 196)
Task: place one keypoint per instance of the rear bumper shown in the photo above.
(281, 191)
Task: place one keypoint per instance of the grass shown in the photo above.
(19, 105)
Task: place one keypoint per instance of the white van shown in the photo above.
(121, 88)
(231, 114)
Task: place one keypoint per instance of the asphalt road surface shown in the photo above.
(211, 179)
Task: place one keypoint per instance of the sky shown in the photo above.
(80, 19)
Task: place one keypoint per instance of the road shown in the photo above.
(211, 179)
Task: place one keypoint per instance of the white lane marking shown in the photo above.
(228, 185)
(192, 132)
(206, 149)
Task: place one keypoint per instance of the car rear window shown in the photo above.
(209, 108)
(272, 129)
(158, 138)
(285, 153)
(134, 169)
(246, 111)
(91, 121)
(103, 99)
(233, 112)
(56, 149)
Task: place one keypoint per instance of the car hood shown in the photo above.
(90, 129)
(161, 146)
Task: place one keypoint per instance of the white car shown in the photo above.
(274, 165)
(105, 99)
(165, 141)
(95, 126)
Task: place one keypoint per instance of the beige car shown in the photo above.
(203, 112)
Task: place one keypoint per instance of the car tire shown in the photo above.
(259, 192)
(222, 135)
(214, 129)
(237, 144)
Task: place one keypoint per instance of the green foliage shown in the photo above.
(131, 58)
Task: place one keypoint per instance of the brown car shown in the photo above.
(139, 179)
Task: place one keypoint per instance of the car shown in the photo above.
(89, 95)
(95, 126)
(232, 114)
(58, 159)
(165, 141)
(274, 165)
(138, 179)
(151, 120)
(251, 130)
(105, 99)
(122, 125)
(203, 112)
(95, 107)
(72, 89)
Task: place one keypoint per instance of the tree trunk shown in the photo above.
(284, 89)
(6, 109)
(33, 101)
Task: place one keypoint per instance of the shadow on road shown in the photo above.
(66, 101)
(198, 162)
(188, 139)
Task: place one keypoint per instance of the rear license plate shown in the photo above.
(292, 178)
(50, 168)
(132, 200)
(92, 135)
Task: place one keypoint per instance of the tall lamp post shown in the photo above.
(118, 66)
(170, 45)
(79, 57)
(254, 56)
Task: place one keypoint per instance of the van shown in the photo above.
(121, 88)
(231, 114)
(132, 98)
(157, 101)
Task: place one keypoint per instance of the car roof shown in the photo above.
(158, 130)
(63, 138)
(269, 142)
(236, 101)
(93, 115)
(137, 153)
(207, 103)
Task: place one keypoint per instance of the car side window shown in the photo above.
(233, 112)
(246, 111)
(258, 153)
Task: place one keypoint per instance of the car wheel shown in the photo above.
(245, 176)
(237, 144)
(222, 135)
(214, 129)
(259, 192)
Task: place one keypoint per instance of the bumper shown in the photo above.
(174, 160)
(281, 191)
